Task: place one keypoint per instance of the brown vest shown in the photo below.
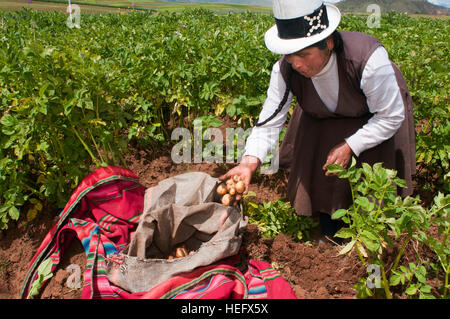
(313, 131)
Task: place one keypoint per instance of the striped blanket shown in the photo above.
(103, 212)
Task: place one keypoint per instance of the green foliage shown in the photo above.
(73, 99)
(276, 217)
(378, 218)
(423, 58)
(414, 277)
(44, 274)
(440, 244)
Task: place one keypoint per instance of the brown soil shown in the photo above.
(314, 269)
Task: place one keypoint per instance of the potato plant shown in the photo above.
(73, 99)
(378, 218)
(278, 217)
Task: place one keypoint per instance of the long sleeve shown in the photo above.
(384, 100)
(263, 138)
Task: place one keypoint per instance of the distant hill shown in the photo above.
(267, 3)
(409, 6)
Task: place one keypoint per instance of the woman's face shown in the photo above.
(310, 61)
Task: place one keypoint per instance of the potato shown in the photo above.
(236, 178)
(230, 184)
(227, 199)
(240, 187)
(221, 189)
(232, 191)
(181, 252)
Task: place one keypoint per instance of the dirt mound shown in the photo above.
(314, 270)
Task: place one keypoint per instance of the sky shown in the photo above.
(444, 3)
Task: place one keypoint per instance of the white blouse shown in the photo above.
(378, 84)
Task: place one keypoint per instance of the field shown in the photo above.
(110, 89)
(114, 6)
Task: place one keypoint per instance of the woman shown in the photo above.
(352, 101)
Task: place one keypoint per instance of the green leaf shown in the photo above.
(339, 213)
(363, 290)
(345, 233)
(395, 278)
(367, 169)
(400, 182)
(43, 88)
(380, 174)
(250, 193)
(45, 267)
(13, 213)
(335, 168)
(44, 273)
(364, 203)
(411, 290)
(353, 164)
(347, 247)
(425, 289)
(8, 120)
(421, 274)
(231, 110)
(47, 51)
(370, 240)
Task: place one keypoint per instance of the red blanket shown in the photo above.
(103, 213)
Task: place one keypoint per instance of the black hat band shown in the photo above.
(305, 26)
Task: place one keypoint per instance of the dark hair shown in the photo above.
(337, 39)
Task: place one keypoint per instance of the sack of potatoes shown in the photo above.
(229, 189)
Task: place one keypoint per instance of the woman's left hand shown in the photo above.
(340, 154)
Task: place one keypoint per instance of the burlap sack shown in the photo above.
(181, 209)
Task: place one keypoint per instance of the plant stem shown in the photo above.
(359, 254)
(438, 210)
(400, 253)
(113, 155)
(385, 283)
(444, 241)
(166, 135)
(119, 154)
(105, 151)
(96, 146)
(59, 147)
(446, 282)
(86, 147)
(379, 206)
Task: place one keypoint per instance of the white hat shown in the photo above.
(299, 24)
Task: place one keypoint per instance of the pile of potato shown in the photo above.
(179, 252)
(230, 189)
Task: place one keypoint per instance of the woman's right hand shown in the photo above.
(245, 170)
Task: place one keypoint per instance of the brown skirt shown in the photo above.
(306, 145)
